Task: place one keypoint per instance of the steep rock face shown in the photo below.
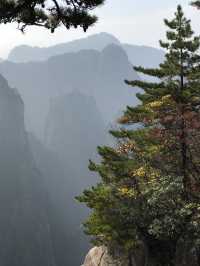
(111, 93)
(25, 236)
(74, 129)
(65, 215)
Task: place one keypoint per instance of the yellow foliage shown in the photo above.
(154, 149)
(141, 172)
(156, 104)
(127, 192)
(150, 174)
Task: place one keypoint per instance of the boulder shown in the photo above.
(100, 256)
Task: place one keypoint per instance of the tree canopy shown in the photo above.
(196, 3)
(150, 184)
(49, 13)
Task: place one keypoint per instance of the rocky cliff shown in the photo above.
(25, 233)
(65, 215)
(74, 129)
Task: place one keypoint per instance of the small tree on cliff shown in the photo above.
(149, 193)
(49, 13)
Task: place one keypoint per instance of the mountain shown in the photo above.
(71, 93)
(65, 215)
(26, 53)
(144, 55)
(25, 232)
(137, 54)
(40, 220)
(94, 73)
(74, 129)
(69, 100)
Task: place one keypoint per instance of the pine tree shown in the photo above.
(49, 13)
(196, 4)
(149, 193)
(174, 102)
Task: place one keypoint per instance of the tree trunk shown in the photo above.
(130, 259)
(183, 136)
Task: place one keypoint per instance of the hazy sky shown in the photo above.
(132, 21)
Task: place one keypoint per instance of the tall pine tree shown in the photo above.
(149, 193)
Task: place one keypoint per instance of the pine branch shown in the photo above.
(159, 73)
(145, 85)
(196, 4)
(49, 14)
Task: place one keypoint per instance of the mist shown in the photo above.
(57, 104)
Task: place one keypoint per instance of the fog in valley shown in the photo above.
(56, 106)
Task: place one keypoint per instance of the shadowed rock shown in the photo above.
(25, 233)
(99, 256)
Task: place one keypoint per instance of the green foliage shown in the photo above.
(196, 3)
(49, 14)
(150, 182)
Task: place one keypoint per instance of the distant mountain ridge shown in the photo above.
(138, 55)
(144, 55)
(25, 53)
(95, 73)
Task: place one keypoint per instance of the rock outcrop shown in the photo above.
(99, 256)
(187, 254)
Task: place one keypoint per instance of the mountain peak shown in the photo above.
(26, 53)
(104, 36)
